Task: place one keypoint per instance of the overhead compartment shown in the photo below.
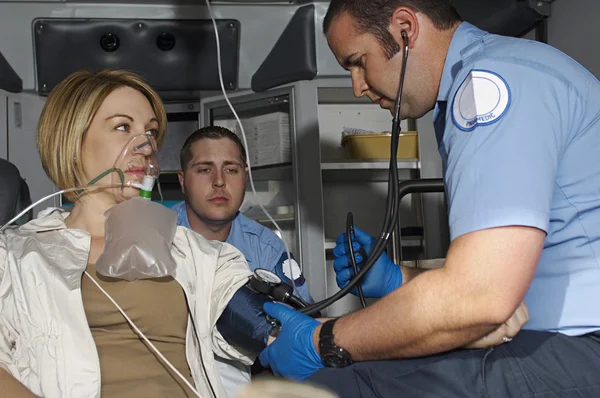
(9, 80)
(173, 55)
(505, 17)
(301, 51)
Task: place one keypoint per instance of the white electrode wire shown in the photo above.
(55, 194)
(212, 17)
(139, 332)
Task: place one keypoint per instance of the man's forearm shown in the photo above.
(485, 278)
(12, 388)
(433, 313)
(409, 273)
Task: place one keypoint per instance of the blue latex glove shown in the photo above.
(292, 354)
(383, 277)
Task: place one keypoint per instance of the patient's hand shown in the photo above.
(508, 329)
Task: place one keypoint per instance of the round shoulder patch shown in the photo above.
(482, 99)
(291, 269)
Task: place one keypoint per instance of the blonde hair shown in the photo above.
(68, 113)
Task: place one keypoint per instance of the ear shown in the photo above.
(181, 178)
(404, 19)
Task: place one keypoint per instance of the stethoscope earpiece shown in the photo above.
(405, 39)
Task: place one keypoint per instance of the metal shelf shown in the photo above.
(407, 241)
(285, 218)
(281, 214)
(383, 164)
(368, 170)
(281, 172)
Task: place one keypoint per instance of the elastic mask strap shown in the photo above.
(107, 172)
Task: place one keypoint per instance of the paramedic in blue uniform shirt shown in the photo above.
(213, 180)
(518, 127)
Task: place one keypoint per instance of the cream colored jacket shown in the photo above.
(45, 340)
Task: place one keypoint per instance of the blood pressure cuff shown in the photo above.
(243, 322)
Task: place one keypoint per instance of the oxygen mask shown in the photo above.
(138, 162)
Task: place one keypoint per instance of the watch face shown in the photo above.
(332, 355)
(267, 276)
(333, 360)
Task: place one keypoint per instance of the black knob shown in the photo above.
(276, 326)
(109, 42)
(165, 41)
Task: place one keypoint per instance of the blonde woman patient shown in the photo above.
(59, 335)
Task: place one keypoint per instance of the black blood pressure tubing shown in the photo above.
(391, 213)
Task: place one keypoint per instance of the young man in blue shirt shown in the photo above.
(213, 180)
(518, 127)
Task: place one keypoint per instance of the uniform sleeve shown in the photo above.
(232, 273)
(505, 128)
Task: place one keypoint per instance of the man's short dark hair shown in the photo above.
(212, 133)
(373, 17)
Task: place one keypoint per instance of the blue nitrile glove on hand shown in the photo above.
(383, 277)
(292, 354)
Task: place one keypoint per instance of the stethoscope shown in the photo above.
(392, 208)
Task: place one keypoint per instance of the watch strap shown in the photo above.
(331, 354)
(327, 328)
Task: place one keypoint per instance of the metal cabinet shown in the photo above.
(268, 121)
(314, 185)
(361, 187)
(289, 187)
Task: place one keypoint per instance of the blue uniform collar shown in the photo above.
(183, 220)
(182, 217)
(465, 35)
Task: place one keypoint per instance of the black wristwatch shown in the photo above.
(332, 355)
